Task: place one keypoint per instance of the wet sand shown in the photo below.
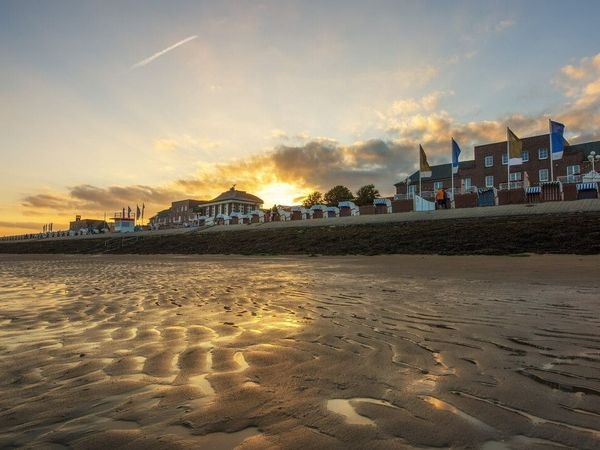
(488, 352)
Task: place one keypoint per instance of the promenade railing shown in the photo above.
(570, 179)
(511, 185)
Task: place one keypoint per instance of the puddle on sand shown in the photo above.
(241, 362)
(519, 442)
(534, 419)
(203, 384)
(343, 407)
(442, 405)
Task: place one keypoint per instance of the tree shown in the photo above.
(337, 194)
(366, 194)
(314, 198)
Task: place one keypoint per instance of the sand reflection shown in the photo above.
(164, 352)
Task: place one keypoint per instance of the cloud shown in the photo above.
(165, 145)
(156, 55)
(321, 162)
(279, 135)
(427, 103)
(94, 201)
(36, 226)
(504, 25)
(581, 84)
(187, 143)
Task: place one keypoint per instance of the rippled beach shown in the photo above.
(299, 352)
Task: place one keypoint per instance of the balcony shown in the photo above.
(570, 179)
(511, 185)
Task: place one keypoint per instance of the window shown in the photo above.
(438, 185)
(488, 161)
(504, 159)
(489, 181)
(525, 155)
(543, 153)
(412, 189)
(466, 183)
(543, 175)
(516, 176)
(573, 170)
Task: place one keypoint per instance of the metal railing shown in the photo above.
(431, 194)
(513, 185)
(570, 179)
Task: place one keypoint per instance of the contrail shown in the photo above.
(148, 60)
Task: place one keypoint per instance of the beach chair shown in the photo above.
(222, 219)
(257, 216)
(382, 205)
(333, 211)
(235, 218)
(299, 213)
(348, 209)
(587, 190)
(533, 194)
(284, 215)
(551, 191)
(487, 197)
(318, 211)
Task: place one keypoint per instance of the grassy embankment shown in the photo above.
(566, 233)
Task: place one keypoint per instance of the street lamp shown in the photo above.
(592, 157)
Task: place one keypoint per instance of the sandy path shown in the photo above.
(378, 352)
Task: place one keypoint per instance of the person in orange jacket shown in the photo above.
(440, 198)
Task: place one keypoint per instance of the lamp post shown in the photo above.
(592, 157)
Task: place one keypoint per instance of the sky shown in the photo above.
(105, 104)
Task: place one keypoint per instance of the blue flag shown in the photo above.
(556, 139)
(128, 212)
(455, 155)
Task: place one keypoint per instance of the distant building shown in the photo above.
(488, 168)
(228, 202)
(123, 224)
(186, 212)
(87, 224)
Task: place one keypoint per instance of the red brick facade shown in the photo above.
(474, 172)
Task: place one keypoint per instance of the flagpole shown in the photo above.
(420, 170)
(452, 169)
(507, 162)
(551, 154)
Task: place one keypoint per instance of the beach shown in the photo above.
(219, 352)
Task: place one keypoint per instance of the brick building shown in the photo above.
(489, 167)
(186, 212)
(87, 224)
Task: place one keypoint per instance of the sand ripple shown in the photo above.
(175, 352)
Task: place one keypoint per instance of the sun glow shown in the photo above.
(281, 194)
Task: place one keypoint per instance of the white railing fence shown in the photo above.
(513, 185)
(570, 179)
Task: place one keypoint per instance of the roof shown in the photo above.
(439, 171)
(190, 200)
(526, 141)
(585, 147)
(233, 194)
